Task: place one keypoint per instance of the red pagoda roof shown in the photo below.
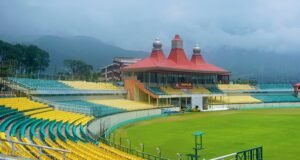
(297, 85)
(176, 61)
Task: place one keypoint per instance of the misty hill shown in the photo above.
(257, 65)
(91, 50)
(245, 64)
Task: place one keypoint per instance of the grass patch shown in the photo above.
(277, 130)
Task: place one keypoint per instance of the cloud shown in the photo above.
(268, 25)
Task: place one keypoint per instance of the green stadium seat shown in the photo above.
(9, 120)
(34, 126)
(24, 127)
(42, 129)
(51, 130)
(68, 134)
(16, 125)
(74, 130)
(59, 132)
(84, 135)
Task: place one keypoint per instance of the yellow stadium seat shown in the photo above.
(91, 85)
(123, 104)
(232, 100)
(235, 87)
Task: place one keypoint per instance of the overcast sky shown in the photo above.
(271, 25)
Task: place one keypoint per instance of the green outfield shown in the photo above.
(277, 130)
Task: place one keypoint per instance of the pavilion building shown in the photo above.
(174, 79)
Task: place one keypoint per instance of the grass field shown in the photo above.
(277, 130)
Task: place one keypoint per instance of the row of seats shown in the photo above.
(199, 90)
(90, 85)
(123, 104)
(235, 87)
(232, 100)
(156, 90)
(275, 86)
(65, 132)
(97, 110)
(170, 90)
(277, 98)
(39, 84)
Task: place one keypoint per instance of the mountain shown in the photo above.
(93, 51)
(257, 65)
(245, 64)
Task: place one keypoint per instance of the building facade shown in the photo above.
(112, 72)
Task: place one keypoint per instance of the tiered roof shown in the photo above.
(176, 61)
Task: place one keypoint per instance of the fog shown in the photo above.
(266, 25)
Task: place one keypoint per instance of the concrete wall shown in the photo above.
(98, 126)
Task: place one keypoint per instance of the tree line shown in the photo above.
(20, 59)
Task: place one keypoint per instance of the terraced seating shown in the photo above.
(235, 87)
(214, 89)
(199, 90)
(58, 129)
(90, 85)
(123, 104)
(232, 100)
(40, 84)
(97, 110)
(156, 90)
(277, 98)
(21, 104)
(170, 90)
(275, 86)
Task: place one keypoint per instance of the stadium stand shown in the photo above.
(275, 86)
(235, 87)
(97, 110)
(170, 90)
(83, 85)
(57, 129)
(199, 90)
(277, 98)
(39, 84)
(123, 104)
(233, 100)
(214, 89)
(156, 90)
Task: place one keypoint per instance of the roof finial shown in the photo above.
(157, 45)
(196, 49)
(177, 42)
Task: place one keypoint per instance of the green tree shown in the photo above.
(78, 69)
(22, 58)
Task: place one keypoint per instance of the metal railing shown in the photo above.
(231, 156)
(14, 151)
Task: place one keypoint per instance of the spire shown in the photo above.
(177, 42)
(177, 53)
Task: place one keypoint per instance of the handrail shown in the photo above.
(38, 146)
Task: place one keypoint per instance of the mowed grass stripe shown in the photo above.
(277, 130)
